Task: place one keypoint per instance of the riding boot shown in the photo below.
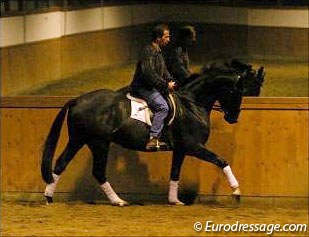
(152, 144)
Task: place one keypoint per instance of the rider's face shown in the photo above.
(189, 41)
(165, 39)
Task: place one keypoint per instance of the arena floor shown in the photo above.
(93, 219)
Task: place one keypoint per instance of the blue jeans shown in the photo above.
(158, 106)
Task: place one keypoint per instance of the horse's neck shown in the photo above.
(199, 96)
(190, 110)
(195, 101)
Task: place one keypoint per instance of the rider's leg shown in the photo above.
(160, 108)
(159, 105)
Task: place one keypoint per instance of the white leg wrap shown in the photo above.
(230, 177)
(173, 193)
(111, 195)
(50, 188)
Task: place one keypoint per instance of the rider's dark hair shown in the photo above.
(186, 32)
(158, 31)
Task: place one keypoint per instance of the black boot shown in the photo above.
(153, 144)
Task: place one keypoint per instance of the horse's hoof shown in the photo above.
(120, 203)
(236, 192)
(49, 200)
(177, 203)
(236, 195)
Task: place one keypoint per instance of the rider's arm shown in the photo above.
(179, 64)
(151, 75)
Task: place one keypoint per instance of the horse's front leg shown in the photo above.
(206, 155)
(178, 157)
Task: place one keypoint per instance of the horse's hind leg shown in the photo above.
(100, 154)
(206, 155)
(62, 162)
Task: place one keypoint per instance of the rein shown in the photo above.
(215, 106)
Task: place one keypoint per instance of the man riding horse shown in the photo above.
(152, 82)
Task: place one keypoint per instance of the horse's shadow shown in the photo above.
(126, 173)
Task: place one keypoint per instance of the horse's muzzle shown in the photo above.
(230, 119)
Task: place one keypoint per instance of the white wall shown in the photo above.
(36, 27)
(43, 26)
(82, 21)
(278, 18)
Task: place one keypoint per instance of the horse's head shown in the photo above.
(229, 93)
(253, 79)
(225, 82)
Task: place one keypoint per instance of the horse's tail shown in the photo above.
(51, 143)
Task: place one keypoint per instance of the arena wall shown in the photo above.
(39, 48)
(267, 149)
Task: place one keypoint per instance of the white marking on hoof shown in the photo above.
(177, 203)
(120, 203)
(236, 192)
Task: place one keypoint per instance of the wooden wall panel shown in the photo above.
(278, 43)
(219, 41)
(29, 65)
(267, 149)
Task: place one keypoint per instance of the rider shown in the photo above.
(152, 81)
(177, 57)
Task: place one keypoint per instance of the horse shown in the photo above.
(102, 117)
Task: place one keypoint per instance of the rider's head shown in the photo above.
(187, 35)
(160, 35)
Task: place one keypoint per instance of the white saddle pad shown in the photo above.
(140, 110)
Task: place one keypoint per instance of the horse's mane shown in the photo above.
(209, 76)
(228, 65)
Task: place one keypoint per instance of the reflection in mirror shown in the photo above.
(75, 55)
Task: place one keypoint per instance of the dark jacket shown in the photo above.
(177, 63)
(151, 71)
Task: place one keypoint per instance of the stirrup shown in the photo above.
(152, 144)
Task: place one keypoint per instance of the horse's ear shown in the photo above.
(240, 65)
(260, 75)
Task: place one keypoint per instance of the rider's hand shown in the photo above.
(171, 85)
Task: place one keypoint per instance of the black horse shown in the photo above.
(100, 117)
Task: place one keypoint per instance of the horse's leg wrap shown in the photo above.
(50, 188)
(112, 196)
(230, 177)
(173, 194)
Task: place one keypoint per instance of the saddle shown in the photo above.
(141, 111)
